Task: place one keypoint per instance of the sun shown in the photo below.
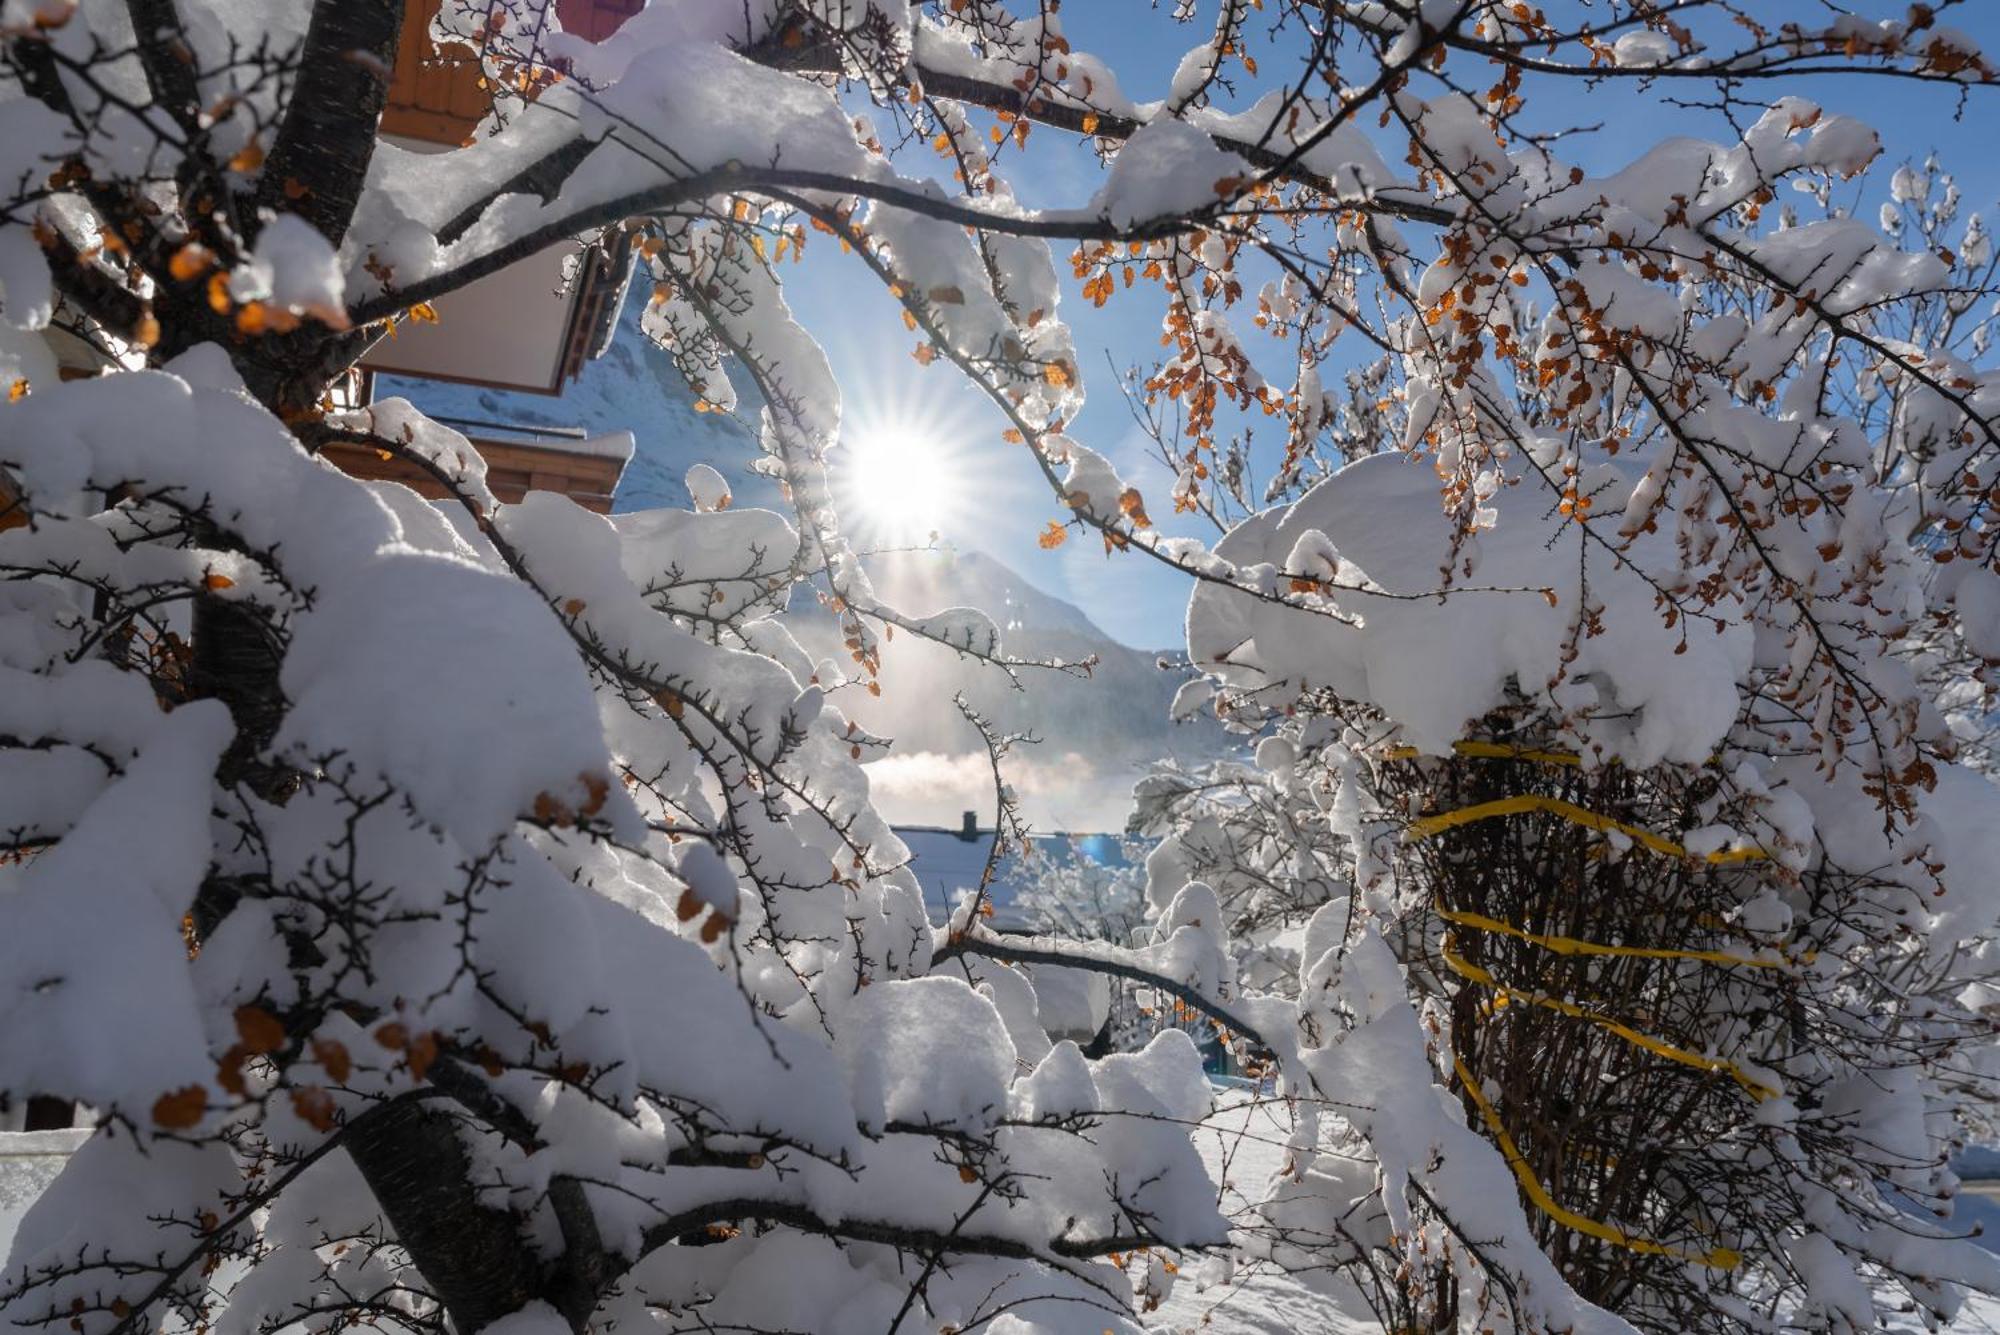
(898, 484)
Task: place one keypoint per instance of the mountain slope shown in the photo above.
(1095, 733)
(1118, 713)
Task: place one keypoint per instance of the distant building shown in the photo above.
(1071, 1004)
(1053, 891)
(949, 862)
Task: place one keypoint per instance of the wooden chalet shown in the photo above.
(524, 328)
(532, 330)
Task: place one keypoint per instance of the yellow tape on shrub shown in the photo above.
(1720, 1258)
(1465, 968)
(1576, 815)
(1569, 945)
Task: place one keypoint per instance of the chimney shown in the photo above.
(968, 828)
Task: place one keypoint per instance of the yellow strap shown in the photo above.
(1576, 815)
(1720, 1258)
(1490, 751)
(1465, 968)
(1569, 945)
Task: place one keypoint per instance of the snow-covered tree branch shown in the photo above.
(472, 915)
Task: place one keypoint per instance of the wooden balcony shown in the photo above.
(518, 460)
(523, 327)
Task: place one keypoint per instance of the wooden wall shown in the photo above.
(432, 97)
(438, 98)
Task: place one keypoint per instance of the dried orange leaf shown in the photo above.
(190, 262)
(181, 1109)
(314, 1107)
(229, 1071)
(333, 1059)
(260, 1030)
(423, 1050)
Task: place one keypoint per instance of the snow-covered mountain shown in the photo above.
(1118, 712)
(1095, 734)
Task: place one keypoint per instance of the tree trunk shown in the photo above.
(317, 166)
(473, 1259)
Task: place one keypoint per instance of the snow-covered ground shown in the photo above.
(1242, 1145)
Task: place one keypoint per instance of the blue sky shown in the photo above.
(1002, 503)
(1005, 504)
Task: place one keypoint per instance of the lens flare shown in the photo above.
(899, 485)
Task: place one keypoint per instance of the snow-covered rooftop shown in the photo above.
(947, 863)
(615, 444)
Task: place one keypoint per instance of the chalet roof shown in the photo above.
(617, 445)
